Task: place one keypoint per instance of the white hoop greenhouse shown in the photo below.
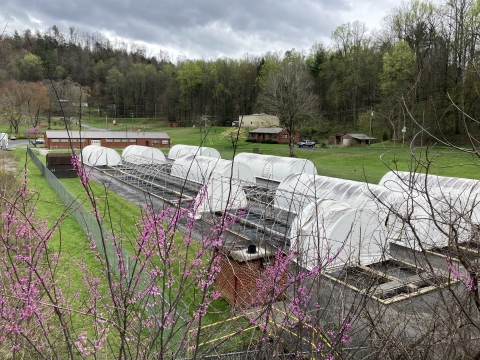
(220, 195)
(183, 150)
(95, 155)
(402, 180)
(330, 235)
(432, 221)
(297, 190)
(275, 168)
(200, 168)
(142, 154)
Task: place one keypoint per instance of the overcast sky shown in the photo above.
(202, 28)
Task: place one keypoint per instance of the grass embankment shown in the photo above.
(122, 217)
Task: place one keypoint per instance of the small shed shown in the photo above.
(142, 155)
(94, 155)
(61, 165)
(277, 134)
(275, 168)
(335, 139)
(200, 169)
(243, 279)
(180, 150)
(330, 234)
(361, 139)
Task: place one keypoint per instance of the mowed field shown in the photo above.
(360, 163)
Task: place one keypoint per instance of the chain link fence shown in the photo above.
(103, 241)
(85, 219)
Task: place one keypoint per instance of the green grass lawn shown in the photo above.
(358, 163)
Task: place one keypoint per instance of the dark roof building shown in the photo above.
(362, 139)
(277, 134)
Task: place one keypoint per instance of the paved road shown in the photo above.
(12, 144)
(93, 128)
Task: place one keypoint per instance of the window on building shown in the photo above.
(109, 140)
(55, 140)
(64, 140)
(285, 136)
(132, 140)
(165, 142)
(117, 140)
(124, 140)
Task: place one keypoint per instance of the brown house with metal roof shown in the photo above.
(57, 139)
(277, 134)
(362, 139)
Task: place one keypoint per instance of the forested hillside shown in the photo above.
(424, 61)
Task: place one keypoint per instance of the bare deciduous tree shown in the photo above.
(287, 92)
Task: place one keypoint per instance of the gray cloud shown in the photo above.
(203, 28)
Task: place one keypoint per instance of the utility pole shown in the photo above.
(370, 135)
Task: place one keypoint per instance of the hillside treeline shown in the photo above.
(423, 62)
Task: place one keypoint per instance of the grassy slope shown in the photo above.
(123, 216)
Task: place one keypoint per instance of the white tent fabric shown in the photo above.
(297, 190)
(457, 198)
(142, 154)
(389, 206)
(200, 168)
(95, 155)
(275, 168)
(401, 180)
(3, 140)
(180, 150)
(431, 219)
(329, 235)
(220, 195)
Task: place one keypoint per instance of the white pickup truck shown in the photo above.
(306, 143)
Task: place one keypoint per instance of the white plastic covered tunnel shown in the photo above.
(220, 194)
(200, 168)
(410, 218)
(420, 222)
(95, 155)
(180, 150)
(142, 154)
(330, 235)
(401, 180)
(442, 208)
(297, 190)
(275, 168)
